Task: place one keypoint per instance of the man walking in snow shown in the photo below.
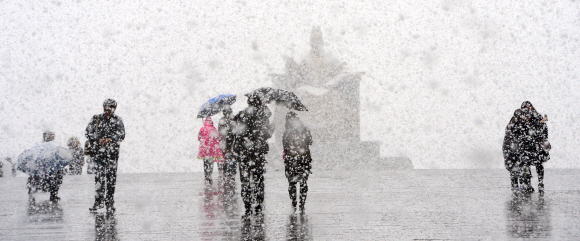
(106, 131)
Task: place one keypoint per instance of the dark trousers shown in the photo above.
(252, 180)
(297, 171)
(207, 168)
(230, 165)
(105, 179)
(540, 171)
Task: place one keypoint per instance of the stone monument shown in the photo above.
(331, 95)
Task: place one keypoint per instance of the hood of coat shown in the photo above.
(208, 121)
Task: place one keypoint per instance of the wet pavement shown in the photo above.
(361, 205)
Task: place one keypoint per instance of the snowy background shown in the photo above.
(442, 77)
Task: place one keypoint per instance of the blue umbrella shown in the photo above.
(215, 105)
(44, 159)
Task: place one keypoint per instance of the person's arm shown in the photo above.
(90, 131)
(308, 137)
(119, 132)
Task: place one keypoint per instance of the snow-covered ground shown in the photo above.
(356, 205)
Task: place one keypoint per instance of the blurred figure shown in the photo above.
(515, 134)
(538, 146)
(252, 131)
(297, 159)
(75, 167)
(49, 182)
(107, 131)
(13, 165)
(225, 129)
(209, 148)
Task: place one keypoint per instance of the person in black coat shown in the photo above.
(297, 159)
(251, 132)
(225, 127)
(538, 143)
(107, 131)
(512, 147)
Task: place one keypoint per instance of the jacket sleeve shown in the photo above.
(199, 134)
(90, 130)
(308, 137)
(119, 134)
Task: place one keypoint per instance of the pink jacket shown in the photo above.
(209, 148)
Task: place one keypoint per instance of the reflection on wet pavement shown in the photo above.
(298, 227)
(105, 226)
(44, 212)
(382, 205)
(528, 216)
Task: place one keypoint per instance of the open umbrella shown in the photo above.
(44, 158)
(282, 97)
(215, 105)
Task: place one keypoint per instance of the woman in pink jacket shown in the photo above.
(209, 148)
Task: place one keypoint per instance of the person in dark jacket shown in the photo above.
(297, 159)
(515, 134)
(107, 131)
(252, 131)
(78, 160)
(538, 144)
(225, 129)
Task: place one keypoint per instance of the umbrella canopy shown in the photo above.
(44, 159)
(282, 97)
(215, 105)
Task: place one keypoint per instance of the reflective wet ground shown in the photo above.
(361, 205)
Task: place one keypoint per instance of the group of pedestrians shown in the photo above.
(242, 140)
(526, 144)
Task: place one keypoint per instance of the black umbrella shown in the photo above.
(282, 97)
(215, 105)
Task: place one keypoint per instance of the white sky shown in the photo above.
(442, 78)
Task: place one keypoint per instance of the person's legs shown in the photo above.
(292, 192)
(540, 171)
(54, 185)
(258, 180)
(207, 168)
(245, 184)
(514, 176)
(303, 190)
(111, 179)
(100, 182)
(527, 179)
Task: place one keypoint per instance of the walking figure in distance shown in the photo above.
(297, 159)
(225, 127)
(209, 148)
(78, 160)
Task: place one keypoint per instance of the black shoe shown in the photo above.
(54, 198)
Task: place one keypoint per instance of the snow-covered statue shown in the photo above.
(329, 92)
